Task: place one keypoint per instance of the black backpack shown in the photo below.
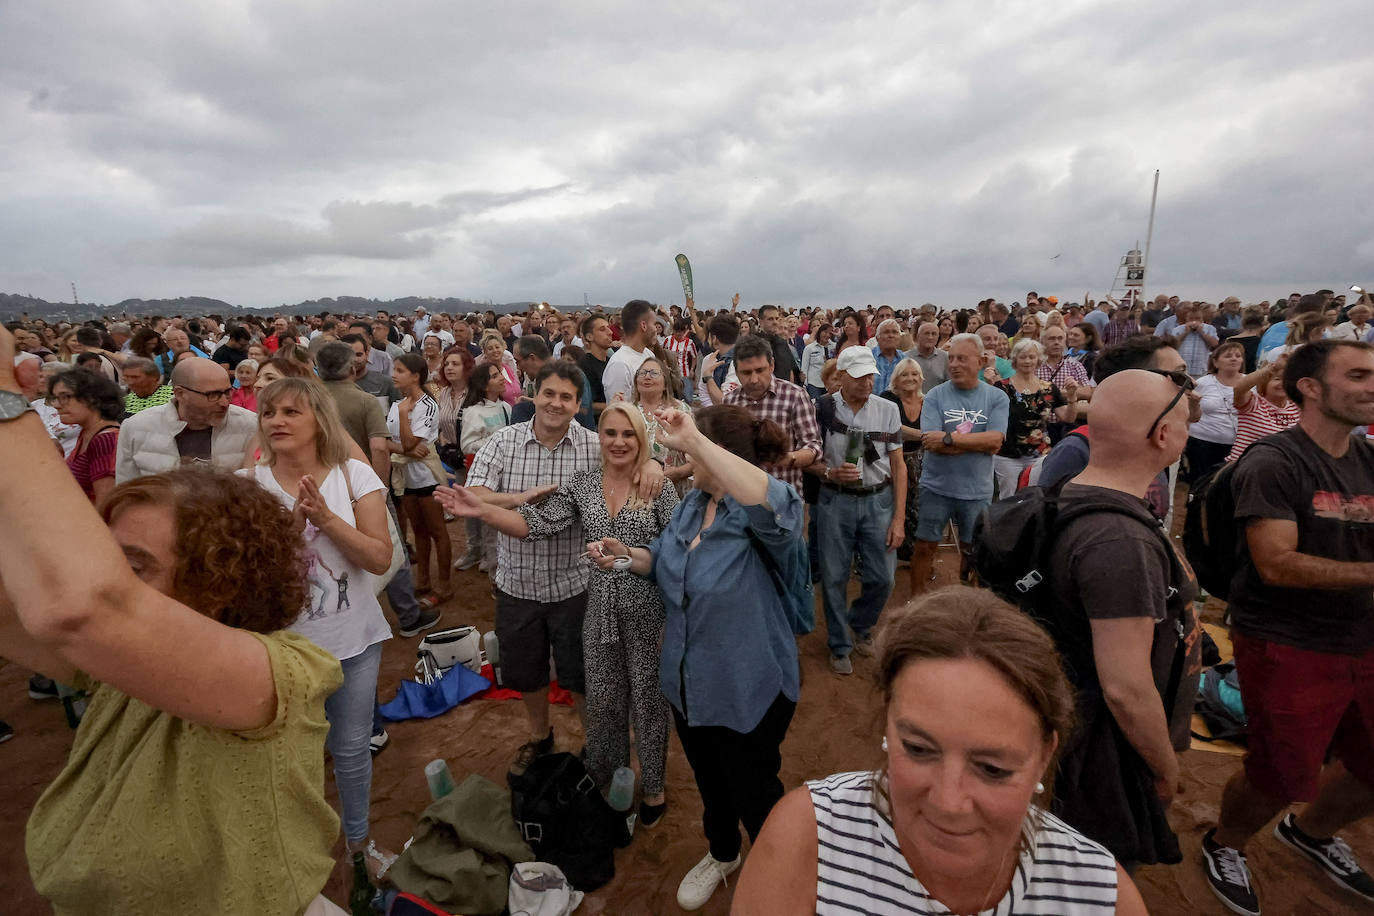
(1210, 538)
(561, 814)
(1218, 703)
(1013, 552)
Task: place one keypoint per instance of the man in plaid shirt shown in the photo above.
(786, 404)
(541, 586)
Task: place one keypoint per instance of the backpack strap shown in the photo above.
(769, 563)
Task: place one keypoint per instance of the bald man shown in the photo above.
(1127, 631)
(198, 426)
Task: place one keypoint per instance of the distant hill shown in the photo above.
(13, 305)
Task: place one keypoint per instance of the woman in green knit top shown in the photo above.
(196, 780)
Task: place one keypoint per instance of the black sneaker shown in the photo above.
(529, 751)
(378, 742)
(42, 688)
(1229, 876)
(6, 733)
(424, 623)
(1333, 855)
(650, 815)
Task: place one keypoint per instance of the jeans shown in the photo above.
(847, 523)
(815, 391)
(400, 591)
(349, 711)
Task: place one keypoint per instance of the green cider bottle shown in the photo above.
(360, 898)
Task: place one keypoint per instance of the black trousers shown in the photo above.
(736, 774)
(1201, 456)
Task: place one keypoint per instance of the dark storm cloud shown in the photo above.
(859, 153)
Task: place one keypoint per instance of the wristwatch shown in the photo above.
(13, 405)
(949, 439)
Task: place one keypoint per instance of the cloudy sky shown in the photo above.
(816, 152)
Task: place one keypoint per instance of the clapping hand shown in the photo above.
(310, 503)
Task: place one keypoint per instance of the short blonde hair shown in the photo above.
(905, 365)
(331, 440)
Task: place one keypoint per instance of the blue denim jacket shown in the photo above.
(728, 650)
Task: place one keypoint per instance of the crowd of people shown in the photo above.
(622, 477)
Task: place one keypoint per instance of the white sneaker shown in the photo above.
(701, 882)
(469, 559)
(487, 565)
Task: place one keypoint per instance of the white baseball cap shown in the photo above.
(857, 361)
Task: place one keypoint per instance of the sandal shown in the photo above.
(377, 863)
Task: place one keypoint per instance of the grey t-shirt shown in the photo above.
(962, 410)
(1110, 568)
(935, 367)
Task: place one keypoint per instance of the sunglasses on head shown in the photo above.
(1185, 383)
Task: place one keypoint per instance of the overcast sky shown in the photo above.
(820, 152)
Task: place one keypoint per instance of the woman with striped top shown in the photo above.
(956, 819)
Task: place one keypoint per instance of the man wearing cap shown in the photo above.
(860, 506)
(963, 423)
(420, 326)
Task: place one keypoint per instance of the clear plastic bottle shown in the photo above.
(622, 794)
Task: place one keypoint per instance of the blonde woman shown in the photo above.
(623, 627)
(904, 390)
(339, 504)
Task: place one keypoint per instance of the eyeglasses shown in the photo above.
(1185, 383)
(648, 373)
(65, 398)
(221, 395)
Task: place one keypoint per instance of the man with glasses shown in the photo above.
(198, 426)
(1136, 661)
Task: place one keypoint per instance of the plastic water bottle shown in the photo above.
(622, 793)
(491, 647)
(439, 778)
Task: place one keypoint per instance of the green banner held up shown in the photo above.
(684, 270)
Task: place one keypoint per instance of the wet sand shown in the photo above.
(836, 729)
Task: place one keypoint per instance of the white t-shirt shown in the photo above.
(343, 616)
(424, 424)
(1218, 421)
(619, 375)
(65, 434)
(558, 346)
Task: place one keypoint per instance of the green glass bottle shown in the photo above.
(360, 898)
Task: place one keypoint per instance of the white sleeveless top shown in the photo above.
(861, 868)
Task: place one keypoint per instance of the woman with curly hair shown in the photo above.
(340, 506)
(83, 398)
(196, 778)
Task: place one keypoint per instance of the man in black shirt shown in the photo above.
(1135, 665)
(784, 359)
(1302, 606)
(235, 349)
(596, 341)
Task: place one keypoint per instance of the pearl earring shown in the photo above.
(884, 743)
(1039, 788)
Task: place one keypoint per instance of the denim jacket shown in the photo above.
(728, 650)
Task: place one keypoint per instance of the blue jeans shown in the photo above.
(349, 711)
(847, 524)
(816, 392)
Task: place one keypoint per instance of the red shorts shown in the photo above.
(1298, 705)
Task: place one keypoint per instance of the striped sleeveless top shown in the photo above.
(861, 868)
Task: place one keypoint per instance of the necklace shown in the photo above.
(995, 881)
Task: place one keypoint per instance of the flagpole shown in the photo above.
(1149, 232)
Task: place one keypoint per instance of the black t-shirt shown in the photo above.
(1111, 567)
(228, 356)
(592, 368)
(1288, 476)
(784, 360)
(194, 444)
(908, 445)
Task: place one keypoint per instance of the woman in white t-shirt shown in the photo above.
(340, 506)
(1211, 437)
(484, 413)
(413, 425)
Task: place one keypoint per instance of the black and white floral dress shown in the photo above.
(622, 629)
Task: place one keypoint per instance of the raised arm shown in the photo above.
(742, 480)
